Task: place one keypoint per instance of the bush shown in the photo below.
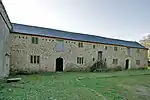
(143, 68)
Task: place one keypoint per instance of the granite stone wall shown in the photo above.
(5, 27)
(22, 48)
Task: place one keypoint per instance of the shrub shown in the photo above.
(143, 68)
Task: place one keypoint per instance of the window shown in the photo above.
(137, 62)
(115, 49)
(93, 46)
(80, 60)
(59, 47)
(93, 59)
(34, 59)
(105, 47)
(34, 40)
(31, 59)
(80, 44)
(115, 61)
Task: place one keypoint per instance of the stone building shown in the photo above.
(5, 27)
(42, 49)
(32, 48)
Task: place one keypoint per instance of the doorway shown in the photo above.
(100, 55)
(59, 64)
(127, 64)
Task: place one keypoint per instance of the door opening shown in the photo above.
(59, 64)
(100, 55)
(127, 64)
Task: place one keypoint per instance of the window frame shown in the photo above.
(137, 62)
(59, 46)
(115, 48)
(80, 44)
(80, 60)
(115, 61)
(93, 59)
(94, 46)
(106, 47)
(35, 40)
(34, 59)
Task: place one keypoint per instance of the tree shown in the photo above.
(146, 42)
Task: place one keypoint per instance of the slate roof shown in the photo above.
(34, 30)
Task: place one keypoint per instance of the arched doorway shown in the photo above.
(59, 64)
(127, 64)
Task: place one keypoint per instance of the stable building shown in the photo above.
(38, 49)
(43, 49)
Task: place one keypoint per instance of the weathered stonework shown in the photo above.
(5, 27)
(16, 50)
(22, 48)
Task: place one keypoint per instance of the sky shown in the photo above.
(120, 19)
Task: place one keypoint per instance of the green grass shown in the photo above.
(125, 85)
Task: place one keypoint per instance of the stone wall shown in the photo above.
(5, 27)
(22, 48)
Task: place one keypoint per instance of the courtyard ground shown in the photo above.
(124, 85)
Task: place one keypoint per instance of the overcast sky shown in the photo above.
(122, 19)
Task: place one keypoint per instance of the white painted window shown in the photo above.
(59, 46)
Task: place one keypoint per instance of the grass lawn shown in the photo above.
(125, 85)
